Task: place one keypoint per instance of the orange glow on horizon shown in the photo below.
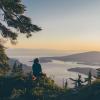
(75, 45)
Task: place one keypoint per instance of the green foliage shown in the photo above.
(17, 69)
(24, 88)
(12, 13)
(3, 57)
(12, 22)
(4, 67)
(88, 92)
(89, 79)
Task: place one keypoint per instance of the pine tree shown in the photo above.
(12, 15)
(12, 23)
(17, 69)
(3, 57)
(4, 67)
(14, 69)
(20, 69)
(89, 79)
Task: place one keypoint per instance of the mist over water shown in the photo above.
(57, 70)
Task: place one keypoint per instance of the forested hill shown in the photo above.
(86, 57)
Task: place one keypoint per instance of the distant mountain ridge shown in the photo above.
(37, 52)
(90, 58)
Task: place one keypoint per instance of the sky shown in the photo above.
(66, 25)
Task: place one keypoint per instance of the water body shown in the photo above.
(57, 70)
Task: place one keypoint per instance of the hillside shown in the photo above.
(85, 58)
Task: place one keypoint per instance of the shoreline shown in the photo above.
(84, 71)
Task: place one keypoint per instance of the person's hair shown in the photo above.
(36, 60)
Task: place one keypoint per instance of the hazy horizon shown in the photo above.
(38, 52)
(26, 52)
(51, 49)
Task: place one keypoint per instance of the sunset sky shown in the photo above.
(66, 24)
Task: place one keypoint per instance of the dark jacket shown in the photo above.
(37, 70)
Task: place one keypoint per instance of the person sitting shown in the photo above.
(36, 68)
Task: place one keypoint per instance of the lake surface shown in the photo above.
(57, 70)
